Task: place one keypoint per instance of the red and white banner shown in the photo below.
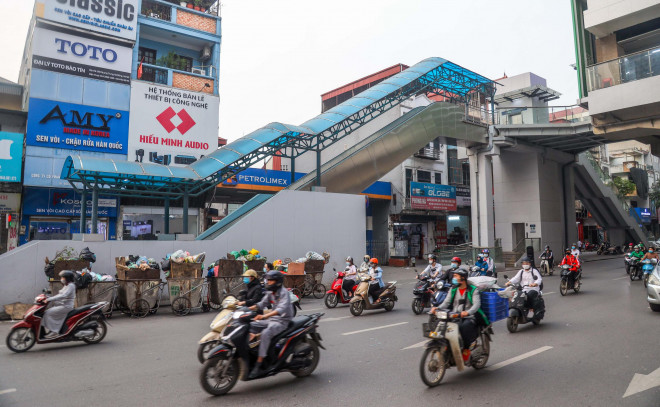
(171, 126)
(432, 203)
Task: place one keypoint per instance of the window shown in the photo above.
(409, 178)
(148, 54)
(284, 167)
(186, 63)
(438, 178)
(466, 172)
(424, 176)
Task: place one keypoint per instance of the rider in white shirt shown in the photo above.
(433, 270)
(575, 251)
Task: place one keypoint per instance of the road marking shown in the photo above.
(335, 319)
(551, 292)
(620, 278)
(518, 358)
(7, 391)
(374, 328)
(313, 309)
(642, 382)
(417, 345)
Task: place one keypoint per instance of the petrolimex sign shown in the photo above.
(67, 125)
(70, 54)
(111, 17)
(433, 197)
(172, 126)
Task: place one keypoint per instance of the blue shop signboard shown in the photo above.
(435, 197)
(67, 125)
(11, 156)
(64, 202)
(643, 214)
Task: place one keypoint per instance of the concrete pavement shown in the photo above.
(585, 352)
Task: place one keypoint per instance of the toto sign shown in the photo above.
(66, 53)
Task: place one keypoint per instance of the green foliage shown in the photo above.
(173, 61)
(623, 186)
(654, 195)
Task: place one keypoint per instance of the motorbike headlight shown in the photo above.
(441, 314)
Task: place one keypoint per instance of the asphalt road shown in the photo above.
(585, 353)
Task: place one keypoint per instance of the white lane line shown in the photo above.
(374, 328)
(551, 292)
(313, 309)
(417, 345)
(7, 391)
(335, 318)
(620, 278)
(518, 358)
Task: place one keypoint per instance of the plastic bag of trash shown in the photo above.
(482, 282)
(314, 256)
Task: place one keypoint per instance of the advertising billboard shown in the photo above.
(11, 156)
(64, 202)
(433, 197)
(171, 126)
(110, 17)
(70, 54)
(66, 125)
(463, 196)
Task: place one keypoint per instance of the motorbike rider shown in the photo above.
(433, 270)
(376, 284)
(63, 302)
(364, 267)
(482, 264)
(549, 256)
(463, 299)
(530, 279)
(651, 254)
(637, 253)
(254, 292)
(272, 322)
(575, 251)
(573, 263)
(350, 275)
(491, 264)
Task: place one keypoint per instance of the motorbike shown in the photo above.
(518, 311)
(589, 247)
(647, 268)
(445, 347)
(294, 350)
(86, 323)
(614, 250)
(544, 267)
(362, 300)
(336, 294)
(564, 285)
(219, 323)
(427, 294)
(603, 248)
(630, 263)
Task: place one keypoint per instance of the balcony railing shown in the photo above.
(628, 68)
(156, 10)
(153, 74)
(195, 81)
(429, 153)
(171, 11)
(542, 114)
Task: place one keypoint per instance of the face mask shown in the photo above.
(526, 266)
(573, 247)
(63, 281)
(650, 251)
(454, 265)
(271, 287)
(265, 270)
(454, 281)
(246, 280)
(430, 261)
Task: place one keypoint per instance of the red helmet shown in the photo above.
(373, 260)
(456, 260)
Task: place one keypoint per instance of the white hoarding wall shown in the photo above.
(71, 54)
(110, 17)
(171, 126)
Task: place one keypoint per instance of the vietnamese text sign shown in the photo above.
(171, 126)
(463, 196)
(11, 156)
(433, 197)
(65, 53)
(110, 17)
(10, 203)
(66, 125)
(63, 202)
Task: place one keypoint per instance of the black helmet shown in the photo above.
(68, 275)
(568, 250)
(461, 273)
(433, 256)
(525, 260)
(547, 247)
(277, 276)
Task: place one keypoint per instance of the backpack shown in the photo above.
(480, 316)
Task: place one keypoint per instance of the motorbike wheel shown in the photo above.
(331, 300)
(181, 306)
(512, 324)
(211, 380)
(389, 305)
(433, 366)
(139, 308)
(563, 287)
(417, 306)
(204, 349)
(318, 291)
(99, 334)
(21, 340)
(577, 285)
(481, 359)
(632, 275)
(214, 306)
(313, 356)
(357, 307)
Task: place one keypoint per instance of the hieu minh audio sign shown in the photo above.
(111, 17)
(433, 197)
(66, 125)
(65, 53)
(171, 126)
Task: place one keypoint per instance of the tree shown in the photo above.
(654, 195)
(623, 186)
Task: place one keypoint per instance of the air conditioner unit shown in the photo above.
(198, 71)
(206, 53)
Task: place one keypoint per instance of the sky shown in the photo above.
(278, 57)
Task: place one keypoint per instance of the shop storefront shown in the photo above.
(147, 222)
(54, 214)
(11, 163)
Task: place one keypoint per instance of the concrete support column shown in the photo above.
(83, 210)
(185, 210)
(95, 209)
(166, 217)
(570, 229)
(481, 191)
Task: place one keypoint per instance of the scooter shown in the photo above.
(647, 268)
(212, 339)
(545, 268)
(362, 300)
(86, 323)
(444, 350)
(336, 294)
(294, 350)
(424, 294)
(564, 285)
(602, 249)
(628, 262)
(518, 312)
(614, 250)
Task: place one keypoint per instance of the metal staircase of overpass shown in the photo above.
(601, 201)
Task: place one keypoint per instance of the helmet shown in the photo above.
(349, 258)
(525, 260)
(568, 250)
(456, 260)
(461, 273)
(433, 256)
(630, 244)
(485, 251)
(366, 257)
(68, 275)
(547, 247)
(251, 273)
(277, 276)
(373, 260)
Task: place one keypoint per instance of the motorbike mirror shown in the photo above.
(334, 269)
(505, 276)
